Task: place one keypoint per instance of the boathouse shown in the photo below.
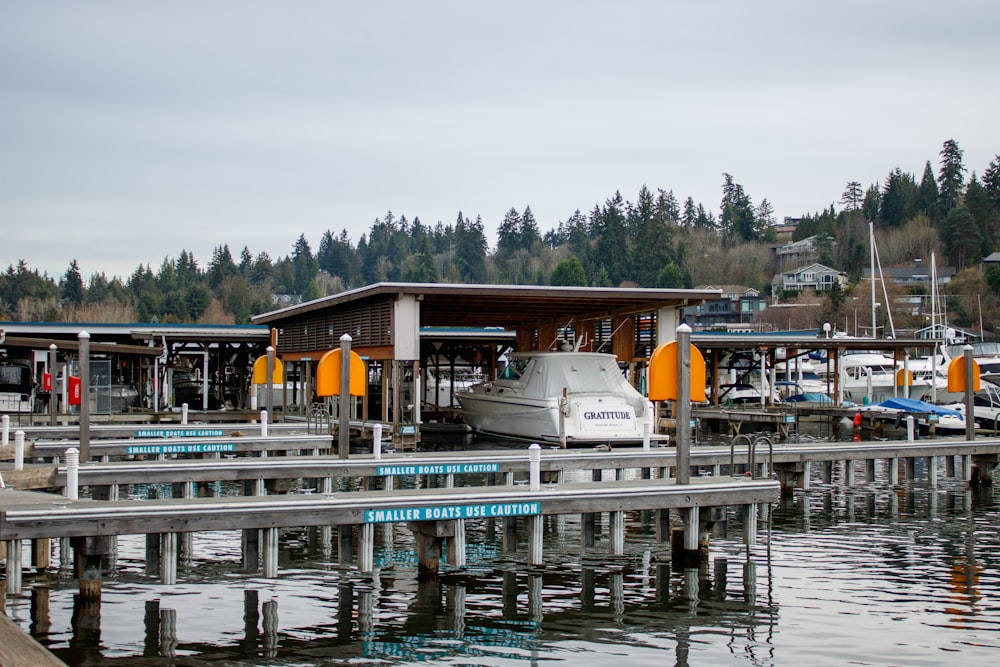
(409, 330)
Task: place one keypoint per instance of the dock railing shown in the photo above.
(752, 454)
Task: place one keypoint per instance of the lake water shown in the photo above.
(869, 575)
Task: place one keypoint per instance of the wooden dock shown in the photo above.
(18, 649)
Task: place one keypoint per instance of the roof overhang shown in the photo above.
(443, 305)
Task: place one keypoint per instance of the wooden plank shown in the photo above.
(33, 477)
(18, 649)
(58, 517)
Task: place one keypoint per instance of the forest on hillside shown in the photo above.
(657, 240)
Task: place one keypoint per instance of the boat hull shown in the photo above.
(580, 419)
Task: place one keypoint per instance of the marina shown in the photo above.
(362, 468)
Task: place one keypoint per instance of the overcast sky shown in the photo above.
(132, 130)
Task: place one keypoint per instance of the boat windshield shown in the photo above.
(514, 369)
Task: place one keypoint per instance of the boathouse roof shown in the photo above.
(443, 304)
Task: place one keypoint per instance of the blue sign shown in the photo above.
(181, 433)
(200, 448)
(447, 469)
(446, 512)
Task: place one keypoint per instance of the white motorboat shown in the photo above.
(566, 397)
(440, 387)
(871, 378)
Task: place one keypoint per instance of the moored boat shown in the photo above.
(567, 397)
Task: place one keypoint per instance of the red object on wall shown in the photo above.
(74, 390)
(46, 381)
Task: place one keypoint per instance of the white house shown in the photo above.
(815, 276)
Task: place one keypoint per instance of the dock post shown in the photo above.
(750, 524)
(970, 394)
(88, 552)
(251, 549)
(617, 521)
(344, 400)
(14, 576)
(508, 539)
(5, 421)
(366, 548)
(345, 550)
(893, 471)
(683, 405)
(270, 536)
(535, 467)
(168, 558)
(949, 466)
(662, 525)
(849, 473)
(41, 553)
(535, 525)
(84, 359)
(870, 470)
(19, 450)
(588, 529)
(72, 473)
(932, 473)
(456, 544)
(152, 554)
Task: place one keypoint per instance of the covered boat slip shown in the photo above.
(135, 368)
(406, 331)
(746, 354)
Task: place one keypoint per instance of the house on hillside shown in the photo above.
(796, 253)
(811, 276)
(739, 304)
(918, 274)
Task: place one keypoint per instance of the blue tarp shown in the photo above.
(912, 405)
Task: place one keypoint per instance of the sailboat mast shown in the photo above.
(871, 250)
(934, 328)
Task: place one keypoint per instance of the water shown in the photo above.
(864, 576)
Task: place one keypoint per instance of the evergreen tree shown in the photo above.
(928, 197)
(470, 249)
(99, 289)
(991, 182)
(950, 177)
(246, 262)
(961, 237)
(72, 286)
(261, 272)
(671, 276)
(653, 241)
(423, 269)
(979, 205)
(303, 265)
(528, 231)
(221, 266)
(611, 252)
(736, 217)
(569, 272)
(690, 214)
(852, 197)
(872, 203)
(898, 199)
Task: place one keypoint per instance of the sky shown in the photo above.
(130, 131)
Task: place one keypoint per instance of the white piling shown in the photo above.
(535, 466)
(72, 473)
(184, 413)
(910, 433)
(6, 430)
(377, 441)
(19, 450)
(263, 423)
(646, 428)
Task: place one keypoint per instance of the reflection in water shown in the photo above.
(905, 572)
